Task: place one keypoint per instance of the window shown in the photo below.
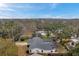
(42, 51)
(27, 51)
(51, 51)
(28, 46)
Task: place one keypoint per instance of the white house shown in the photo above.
(41, 32)
(73, 41)
(37, 45)
(38, 50)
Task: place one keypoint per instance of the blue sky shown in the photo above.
(39, 10)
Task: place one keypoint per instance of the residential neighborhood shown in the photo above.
(39, 29)
(53, 38)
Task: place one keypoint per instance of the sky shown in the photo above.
(39, 10)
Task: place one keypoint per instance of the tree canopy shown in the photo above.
(10, 29)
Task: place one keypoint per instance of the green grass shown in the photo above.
(45, 37)
(7, 48)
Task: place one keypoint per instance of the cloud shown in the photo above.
(24, 6)
(54, 5)
(28, 7)
(5, 7)
(31, 6)
(17, 10)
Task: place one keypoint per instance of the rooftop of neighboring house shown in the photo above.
(74, 38)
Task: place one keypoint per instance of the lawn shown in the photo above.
(7, 48)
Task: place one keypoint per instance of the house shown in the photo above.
(73, 41)
(41, 32)
(52, 35)
(37, 45)
(60, 30)
(44, 33)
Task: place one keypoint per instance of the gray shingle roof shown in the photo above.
(37, 42)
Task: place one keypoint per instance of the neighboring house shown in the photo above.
(37, 45)
(73, 41)
(60, 30)
(44, 33)
(52, 35)
(41, 32)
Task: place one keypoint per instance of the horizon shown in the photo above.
(41, 18)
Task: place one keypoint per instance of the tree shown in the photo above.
(74, 51)
(10, 29)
